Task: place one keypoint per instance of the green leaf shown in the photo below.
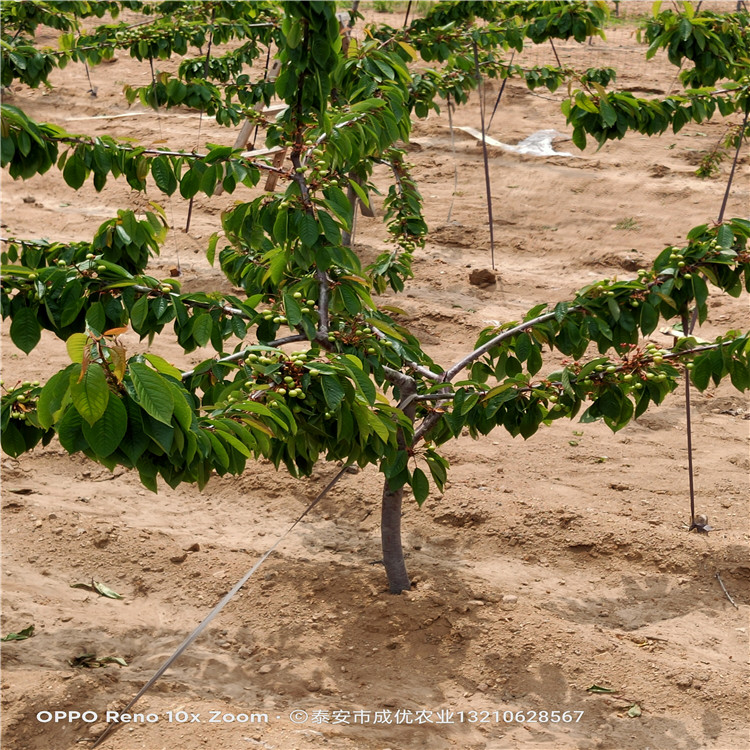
(409, 50)
(203, 325)
(294, 37)
(739, 375)
(139, 314)
(534, 362)
(292, 309)
(280, 227)
(75, 346)
(365, 384)
(163, 175)
(332, 390)
(686, 29)
(90, 393)
(360, 191)
(25, 330)
(96, 318)
(70, 432)
(330, 227)
(599, 689)
(649, 318)
(420, 485)
(152, 392)
(308, 229)
(725, 236)
(163, 366)
(377, 425)
(98, 588)
(579, 137)
(105, 434)
(52, 397)
(523, 346)
(219, 450)
(190, 183)
(21, 635)
(74, 172)
(183, 411)
(609, 116)
(701, 372)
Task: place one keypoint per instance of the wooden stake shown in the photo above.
(487, 183)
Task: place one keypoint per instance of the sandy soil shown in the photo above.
(547, 567)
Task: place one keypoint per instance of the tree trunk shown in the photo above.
(390, 515)
(390, 534)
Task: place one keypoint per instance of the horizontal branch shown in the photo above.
(161, 152)
(239, 356)
(112, 44)
(430, 420)
(477, 353)
(194, 303)
(425, 372)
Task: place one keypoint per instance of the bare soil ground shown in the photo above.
(547, 567)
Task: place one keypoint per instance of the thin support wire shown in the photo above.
(455, 163)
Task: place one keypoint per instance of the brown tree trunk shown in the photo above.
(390, 515)
(390, 534)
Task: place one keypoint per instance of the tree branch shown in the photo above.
(477, 353)
(160, 152)
(239, 356)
